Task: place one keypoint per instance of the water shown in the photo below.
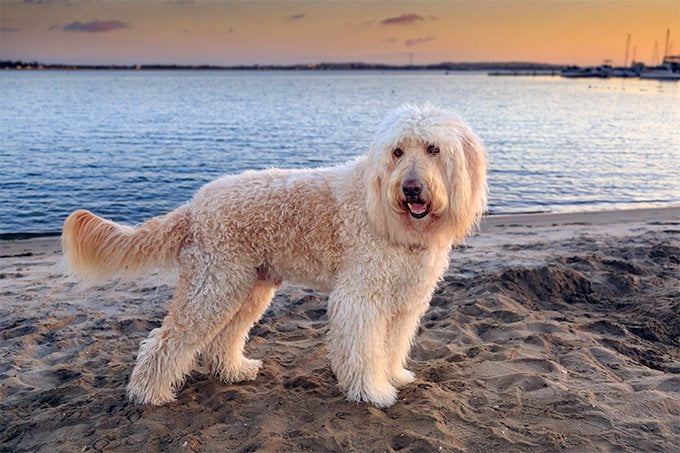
(130, 145)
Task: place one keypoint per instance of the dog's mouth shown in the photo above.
(417, 207)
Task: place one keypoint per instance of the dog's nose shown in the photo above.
(412, 187)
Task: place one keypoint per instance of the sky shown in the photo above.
(289, 32)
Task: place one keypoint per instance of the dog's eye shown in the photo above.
(398, 152)
(431, 149)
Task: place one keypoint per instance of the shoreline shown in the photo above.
(605, 215)
(309, 66)
(489, 218)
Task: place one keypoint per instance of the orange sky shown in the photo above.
(280, 32)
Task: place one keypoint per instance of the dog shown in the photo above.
(374, 234)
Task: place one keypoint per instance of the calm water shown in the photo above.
(130, 145)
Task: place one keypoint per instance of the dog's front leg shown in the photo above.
(358, 331)
(402, 330)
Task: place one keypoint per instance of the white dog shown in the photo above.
(374, 233)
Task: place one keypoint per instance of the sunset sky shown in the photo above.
(283, 32)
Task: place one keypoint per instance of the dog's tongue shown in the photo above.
(417, 208)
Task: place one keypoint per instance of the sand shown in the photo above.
(549, 332)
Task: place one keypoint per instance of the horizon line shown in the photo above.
(8, 63)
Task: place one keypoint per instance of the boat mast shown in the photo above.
(625, 60)
(665, 49)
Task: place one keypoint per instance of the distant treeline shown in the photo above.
(445, 66)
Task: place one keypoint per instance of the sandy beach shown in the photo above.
(549, 332)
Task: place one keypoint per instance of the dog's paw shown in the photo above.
(402, 377)
(382, 396)
(245, 370)
(249, 369)
(141, 394)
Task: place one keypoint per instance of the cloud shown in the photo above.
(9, 29)
(297, 16)
(416, 41)
(390, 40)
(404, 19)
(40, 2)
(95, 26)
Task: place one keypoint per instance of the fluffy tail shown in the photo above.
(96, 249)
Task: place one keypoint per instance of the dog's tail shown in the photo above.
(96, 249)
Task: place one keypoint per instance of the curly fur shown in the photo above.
(344, 230)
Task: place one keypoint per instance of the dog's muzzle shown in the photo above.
(413, 200)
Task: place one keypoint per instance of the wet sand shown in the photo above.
(549, 332)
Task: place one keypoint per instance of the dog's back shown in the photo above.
(287, 220)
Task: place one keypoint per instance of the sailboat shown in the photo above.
(668, 70)
(663, 72)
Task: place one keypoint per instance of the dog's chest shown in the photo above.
(407, 276)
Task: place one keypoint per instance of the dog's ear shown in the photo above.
(375, 201)
(469, 188)
(475, 161)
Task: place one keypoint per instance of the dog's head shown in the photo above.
(426, 177)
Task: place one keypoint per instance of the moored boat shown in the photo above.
(663, 72)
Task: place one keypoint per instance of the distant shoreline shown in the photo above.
(604, 215)
(351, 66)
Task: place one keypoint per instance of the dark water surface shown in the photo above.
(129, 145)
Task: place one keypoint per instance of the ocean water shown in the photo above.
(129, 145)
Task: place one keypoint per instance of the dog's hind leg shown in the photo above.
(358, 331)
(224, 354)
(208, 295)
(401, 332)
